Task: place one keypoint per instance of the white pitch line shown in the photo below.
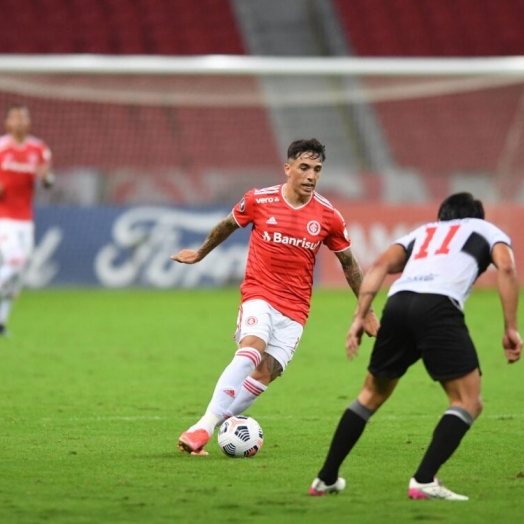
(500, 416)
(103, 419)
(392, 418)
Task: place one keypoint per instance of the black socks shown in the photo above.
(348, 432)
(446, 439)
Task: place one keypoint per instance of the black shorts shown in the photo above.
(427, 326)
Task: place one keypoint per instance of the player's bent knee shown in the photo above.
(478, 408)
(372, 399)
(273, 366)
(473, 406)
(276, 374)
(254, 342)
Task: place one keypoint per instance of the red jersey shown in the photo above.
(18, 172)
(283, 246)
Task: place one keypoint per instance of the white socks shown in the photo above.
(5, 309)
(9, 279)
(251, 390)
(228, 387)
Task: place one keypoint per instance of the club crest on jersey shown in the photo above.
(313, 227)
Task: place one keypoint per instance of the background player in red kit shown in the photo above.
(23, 159)
(423, 319)
(289, 222)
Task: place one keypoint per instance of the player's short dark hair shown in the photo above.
(16, 105)
(460, 205)
(304, 145)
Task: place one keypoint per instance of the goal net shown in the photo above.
(182, 131)
(198, 132)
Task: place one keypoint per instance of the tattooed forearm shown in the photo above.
(218, 234)
(351, 269)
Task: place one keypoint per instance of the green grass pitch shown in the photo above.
(96, 386)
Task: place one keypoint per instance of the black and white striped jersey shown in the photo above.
(446, 257)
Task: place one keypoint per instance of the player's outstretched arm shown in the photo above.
(512, 343)
(216, 236)
(354, 277)
(391, 261)
(354, 337)
(508, 287)
(351, 268)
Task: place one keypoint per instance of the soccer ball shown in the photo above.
(240, 437)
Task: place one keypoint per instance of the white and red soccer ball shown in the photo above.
(240, 437)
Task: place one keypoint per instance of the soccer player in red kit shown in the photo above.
(290, 222)
(23, 159)
(424, 319)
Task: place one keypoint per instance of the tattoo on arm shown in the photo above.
(351, 269)
(218, 234)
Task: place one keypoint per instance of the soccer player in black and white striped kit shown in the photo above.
(423, 319)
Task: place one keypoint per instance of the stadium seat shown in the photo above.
(463, 28)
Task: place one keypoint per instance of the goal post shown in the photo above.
(399, 128)
(260, 65)
(196, 132)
